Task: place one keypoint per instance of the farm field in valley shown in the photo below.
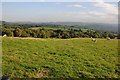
(53, 28)
(60, 58)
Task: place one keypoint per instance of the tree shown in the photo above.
(53, 34)
(65, 35)
(33, 34)
(105, 34)
(96, 35)
(24, 34)
(112, 36)
(17, 32)
(80, 34)
(43, 34)
(119, 36)
(58, 35)
(48, 34)
(9, 33)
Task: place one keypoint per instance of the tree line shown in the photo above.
(59, 33)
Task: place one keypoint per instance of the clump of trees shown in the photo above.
(59, 33)
(119, 36)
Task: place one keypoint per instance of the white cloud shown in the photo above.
(109, 8)
(96, 13)
(92, 16)
(96, 17)
(100, 1)
(80, 6)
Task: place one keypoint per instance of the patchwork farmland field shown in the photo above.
(60, 58)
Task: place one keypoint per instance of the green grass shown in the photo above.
(53, 28)
(60, 58)
(46, 28)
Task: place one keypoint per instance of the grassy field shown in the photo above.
(53, 28)
(60, 58)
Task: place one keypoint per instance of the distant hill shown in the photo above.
(95, 26)
(82, 25)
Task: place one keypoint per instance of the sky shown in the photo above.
(97, 11)
(59, 0)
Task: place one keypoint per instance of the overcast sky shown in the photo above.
(98, 11)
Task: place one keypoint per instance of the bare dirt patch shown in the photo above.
(42, 73)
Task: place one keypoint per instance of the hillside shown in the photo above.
(82, 25)
(45, 30)
(60, 58)
(95, 26)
